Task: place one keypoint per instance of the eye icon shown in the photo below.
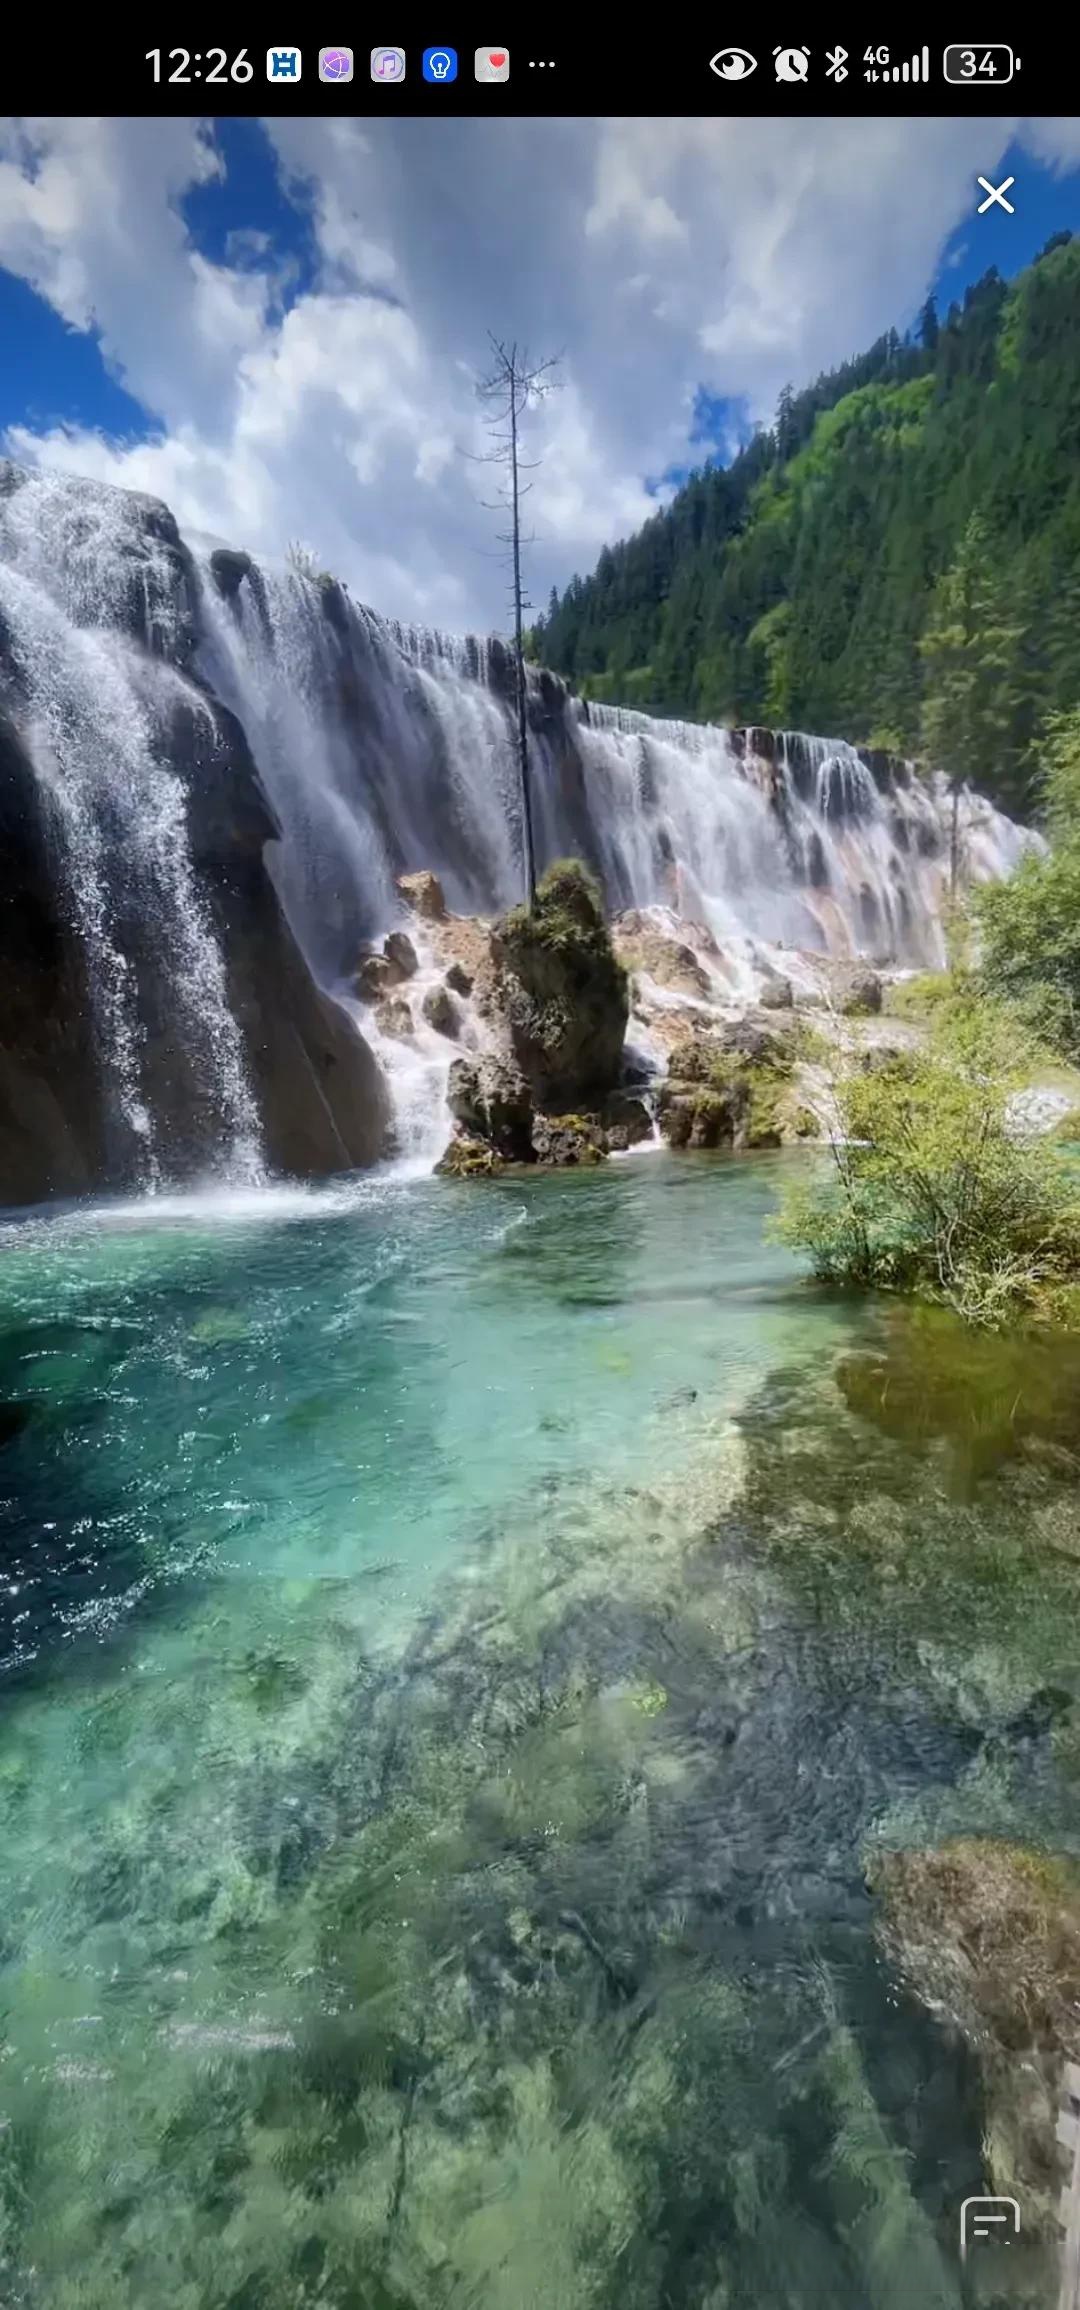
(733, 63)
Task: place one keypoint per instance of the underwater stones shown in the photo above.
(459, 979)
(424, 893)
(559, 1140)
(393, 1017)
(441, 1012)
(490, 1098)
(399, 950)
(562, 991)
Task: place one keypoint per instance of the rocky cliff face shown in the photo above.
(158, 1012)
(214, 774)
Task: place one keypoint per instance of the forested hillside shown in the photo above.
(897, 559)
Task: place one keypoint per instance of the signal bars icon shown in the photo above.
(881, 69)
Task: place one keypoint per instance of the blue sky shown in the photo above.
(274, 326)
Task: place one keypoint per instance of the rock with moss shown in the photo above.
(694, 1115)
(562, 990)
(489, 1097)
(468, 1158)
(854, 988)
(559, 1140)
(459, 979)
(987, 1935)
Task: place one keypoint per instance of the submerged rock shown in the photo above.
(424, 893)
(490, 1098)
(987, 1935)
(562, 991)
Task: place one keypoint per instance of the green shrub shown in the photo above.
(929, 1190)
(919, 997)
(1030, 925)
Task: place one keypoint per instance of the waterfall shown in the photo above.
(382, 749)
(95, 712)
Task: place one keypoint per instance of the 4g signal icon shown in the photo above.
(878, 67)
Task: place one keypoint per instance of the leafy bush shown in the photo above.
(929, 1189)
(1030, 925)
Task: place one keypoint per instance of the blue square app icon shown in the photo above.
(440, 64)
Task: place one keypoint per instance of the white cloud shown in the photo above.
(660, 256)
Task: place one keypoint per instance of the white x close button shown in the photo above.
(997, 194)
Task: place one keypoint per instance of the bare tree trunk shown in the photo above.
(519, 660)
(511, 388)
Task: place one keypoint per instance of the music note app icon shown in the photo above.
(388, 64)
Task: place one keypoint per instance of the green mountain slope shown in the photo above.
(808, 585)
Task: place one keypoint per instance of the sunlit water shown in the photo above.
(460, 1644)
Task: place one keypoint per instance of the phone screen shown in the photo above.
(539, 1191)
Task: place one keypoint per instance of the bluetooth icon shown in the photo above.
(836, 64)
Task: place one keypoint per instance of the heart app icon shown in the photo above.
(493, 64)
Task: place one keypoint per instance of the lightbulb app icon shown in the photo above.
(440, 64)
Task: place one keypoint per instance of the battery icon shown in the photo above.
(980, 64)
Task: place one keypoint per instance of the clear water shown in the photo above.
(459, 1645)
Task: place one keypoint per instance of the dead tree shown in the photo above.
(510, 388)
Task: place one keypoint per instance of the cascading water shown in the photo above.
(384, 750)
(94, 711)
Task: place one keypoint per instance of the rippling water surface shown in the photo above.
(459, 1647)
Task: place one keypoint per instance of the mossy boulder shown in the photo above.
(987, 1935)
(467, 1158)
(489, 1098)
(560, 1140)
(733, 1087)
(459, 980)
(562, 991)
(693, 1115)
